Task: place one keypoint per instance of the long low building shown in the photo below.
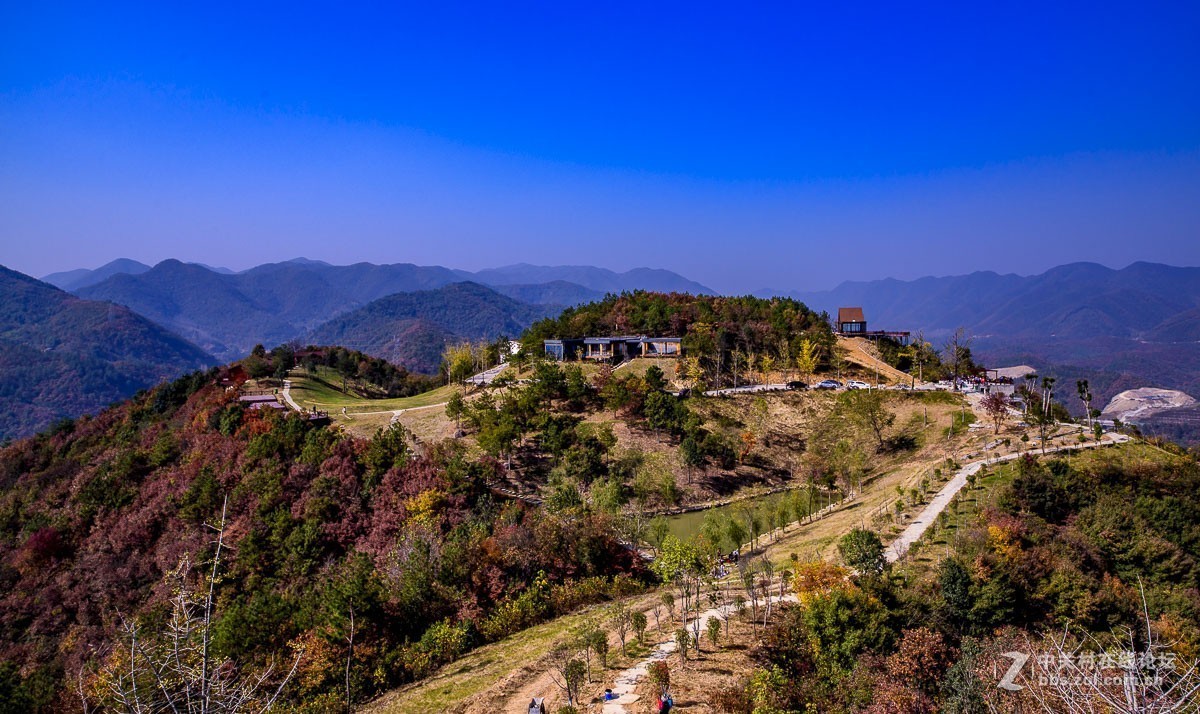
(613, 348)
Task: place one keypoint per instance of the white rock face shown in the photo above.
(1144, 402)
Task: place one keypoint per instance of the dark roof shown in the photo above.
(850, 314)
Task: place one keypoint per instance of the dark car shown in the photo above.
(828, 384)
(797, 385)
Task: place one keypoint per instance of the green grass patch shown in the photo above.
(315, 392)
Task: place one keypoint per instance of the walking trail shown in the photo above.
(627, 681)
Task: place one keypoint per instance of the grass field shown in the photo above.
(319, 393)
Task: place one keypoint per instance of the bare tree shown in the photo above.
(174, 670)
(1085, 395)
(957, 351)
(567, 672)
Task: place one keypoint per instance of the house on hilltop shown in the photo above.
(851, 322)
(613, 348)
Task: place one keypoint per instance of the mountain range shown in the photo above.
(227, 314)
(62, 356)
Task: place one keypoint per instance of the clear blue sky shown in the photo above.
(744, 145)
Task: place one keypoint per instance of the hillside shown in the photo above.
(324, 535)
(61, 356)
(412, 329)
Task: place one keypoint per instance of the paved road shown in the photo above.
(627, 681)
(287, 395)
(751, 389)
(925, 519)
(487, 376)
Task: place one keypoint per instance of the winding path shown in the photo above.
(627, 681)
(929, 514)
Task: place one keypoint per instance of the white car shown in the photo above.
(855, 384)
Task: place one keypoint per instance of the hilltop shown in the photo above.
(63, 356)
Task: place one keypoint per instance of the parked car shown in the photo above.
(797, 385)
(855, 384)
(828, 384)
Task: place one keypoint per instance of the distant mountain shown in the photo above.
(557, 292)
(599, 279)
(61, 356)
(1121, 329)
(411, 329)
(1078, 300)
(72, 280)
(227, 314)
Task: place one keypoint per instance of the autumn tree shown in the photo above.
(176, 669)
(806, 358)
(995, 405)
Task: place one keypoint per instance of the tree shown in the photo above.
(567, 672)
(958, 352)
(995, 405)
(458, 361)
(456, 407)
(622, 622)
(862, 550)
(683, 641)
(660, 677)
(638, 620)
(867, 409)
(657, 531)
(175, 670)
(1085, 395)
(714, 631)
(806, 359)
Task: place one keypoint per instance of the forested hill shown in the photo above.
(324, 535)
(709, 324)
(62, 356)
(412, 329)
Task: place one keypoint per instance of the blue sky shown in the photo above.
(776, 145)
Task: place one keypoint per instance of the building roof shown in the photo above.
(850, 314)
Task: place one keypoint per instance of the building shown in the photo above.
(851, 322)
(613, 349)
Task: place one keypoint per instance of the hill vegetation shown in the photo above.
(61, 356)
(413, 329)
(364, 554)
